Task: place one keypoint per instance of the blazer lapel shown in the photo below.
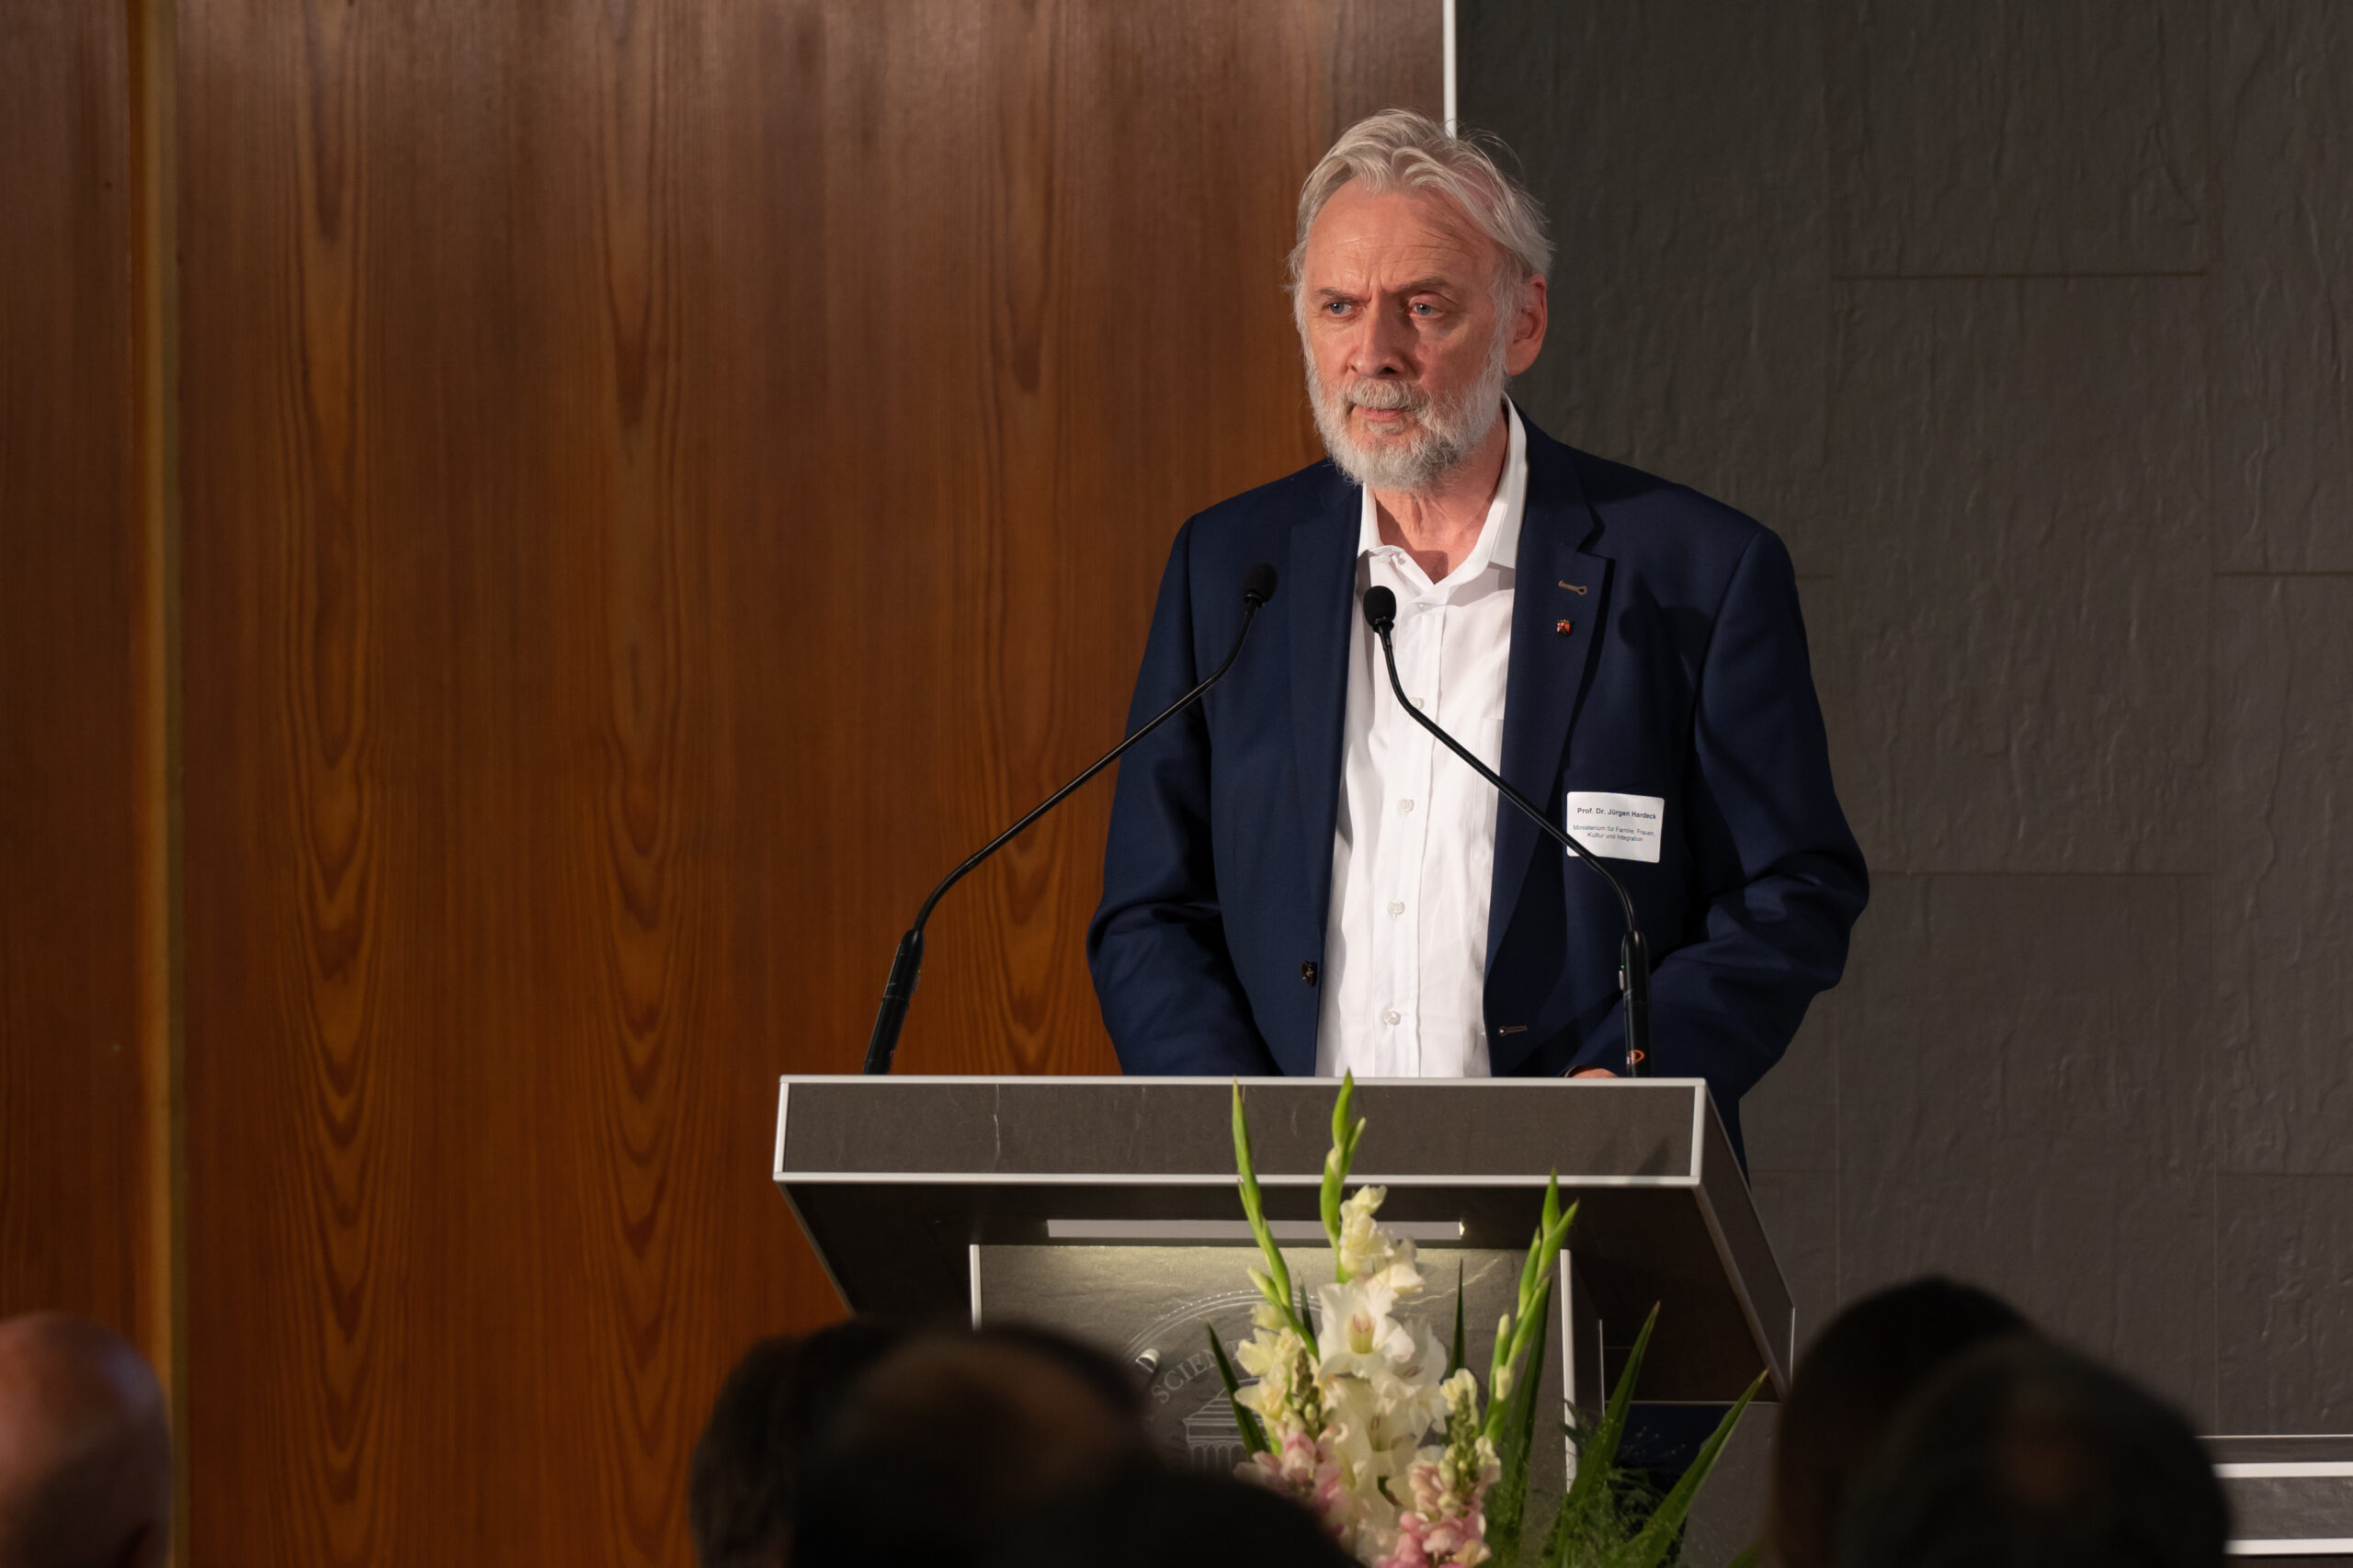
(1322, 581)
(1559, 595)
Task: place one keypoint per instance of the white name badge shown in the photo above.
(1618, 827)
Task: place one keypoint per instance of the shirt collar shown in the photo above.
(1499, 536)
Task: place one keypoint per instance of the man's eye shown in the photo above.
(1334, 307)
(1423, 308)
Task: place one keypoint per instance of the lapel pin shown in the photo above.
(1574, 587)
(1562, 627)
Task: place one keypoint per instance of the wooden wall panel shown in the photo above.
(661, 482)
(78, 1179)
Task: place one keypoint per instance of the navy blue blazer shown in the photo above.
(1683, 675)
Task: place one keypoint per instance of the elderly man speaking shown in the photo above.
(1299, 879)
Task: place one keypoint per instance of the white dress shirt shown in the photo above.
(1414, 854)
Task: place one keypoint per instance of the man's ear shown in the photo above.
(1528, 328)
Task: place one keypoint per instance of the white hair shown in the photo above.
(1400, 149)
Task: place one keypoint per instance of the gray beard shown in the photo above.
(1447, 430)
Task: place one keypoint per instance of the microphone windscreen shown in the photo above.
(1259, 584)
(1379, 608)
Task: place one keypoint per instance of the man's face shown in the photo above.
(1406, 355)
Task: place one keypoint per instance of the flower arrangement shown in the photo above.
(1383, 1433)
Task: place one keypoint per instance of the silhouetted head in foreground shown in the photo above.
(1861, 1368)
(2025, 1455)
(773, 1408)
(957, 1442)
(1157, 1519)
(86, 1448)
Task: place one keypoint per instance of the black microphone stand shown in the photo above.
(906, 965)
(1633, 959)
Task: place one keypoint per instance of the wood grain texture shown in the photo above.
(661, 482)
(77, 1200)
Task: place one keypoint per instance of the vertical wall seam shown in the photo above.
(1446, 33)
(2214, 1312)
(150, 38)
(2210, 232)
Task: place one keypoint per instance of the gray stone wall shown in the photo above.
(2030, 329)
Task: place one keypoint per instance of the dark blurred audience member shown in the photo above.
(774, 1406)
(1870, 1360)
(1157, 1519)
(2025, 1455)
(86, 1448)
(1117, 1385)
(957, 1442)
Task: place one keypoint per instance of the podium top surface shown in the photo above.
(1157, 1132)
(895, 1177)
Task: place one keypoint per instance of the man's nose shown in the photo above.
(1379, 347)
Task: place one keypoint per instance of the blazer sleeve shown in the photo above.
(1782, 880)
(1156, 947)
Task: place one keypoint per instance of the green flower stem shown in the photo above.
(1529, 1270)
(1455, 1358)
(1519, 1328)
(1507, 1503)
(1343, 1154)
(1660, 1532)
(1253, 1436)
(1274, 1280)
(1588, 1506)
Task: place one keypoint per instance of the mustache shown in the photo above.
(1399, 396)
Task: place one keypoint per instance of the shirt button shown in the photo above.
(1396, 907)
(1389, 1017)
(1419, 703)
(1405, 808)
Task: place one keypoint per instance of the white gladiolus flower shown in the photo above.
(1273, 1357)
(1346, 1419)
(1421, 1373)
(1367, 1249)
(1364, 1248)
(1357, 1320)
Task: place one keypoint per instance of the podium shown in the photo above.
(1107, 1208)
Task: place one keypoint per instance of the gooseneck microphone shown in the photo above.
(1257, 588)
(1633, 959)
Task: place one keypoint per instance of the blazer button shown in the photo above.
(1307, 972)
